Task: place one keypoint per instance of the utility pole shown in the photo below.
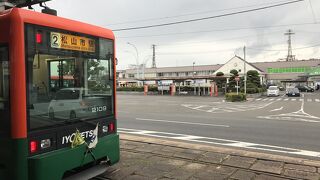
(154, 56)
(290, 57)
(137, 61)
(193, 73)
(245, 70)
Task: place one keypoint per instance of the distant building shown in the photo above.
(287, 73)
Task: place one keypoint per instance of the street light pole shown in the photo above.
(194, 84)
(137, 58)
(245, 70)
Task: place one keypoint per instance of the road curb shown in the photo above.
(230, 151)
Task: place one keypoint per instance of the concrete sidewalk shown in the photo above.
(156, 158)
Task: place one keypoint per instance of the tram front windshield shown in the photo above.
(69, 87)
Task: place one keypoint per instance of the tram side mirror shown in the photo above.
(116, 61)
(50, 11)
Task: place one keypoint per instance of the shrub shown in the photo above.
(220, 74)
(260, 90)
(153, 88)
(139, 89)
(252, 90)
(234, 97)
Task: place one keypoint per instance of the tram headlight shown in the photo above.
(45, 143)
(105, 129)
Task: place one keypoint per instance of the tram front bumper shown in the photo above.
(53, 165)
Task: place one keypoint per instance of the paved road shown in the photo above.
(274, 124)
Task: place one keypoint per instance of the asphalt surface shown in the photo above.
(280, 125)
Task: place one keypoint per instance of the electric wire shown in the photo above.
(232, 49)
(210, 17)
(313, 14)
(189, 14)
(305, 47)
(215, 40)
(218, 30)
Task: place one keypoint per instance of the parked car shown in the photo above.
(304, 88)
(281, 88)
(293, 92)
(72, 103)
(273, 91)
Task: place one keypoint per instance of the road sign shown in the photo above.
(237, 78)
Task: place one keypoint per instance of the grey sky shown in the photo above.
(212, 41)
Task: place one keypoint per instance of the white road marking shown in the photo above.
(224, 108)
(317, 100)
(301, 99)
(302, 95)
(212, 109)
(271, 99)
(309, 100)
(166, 101)
(181, 122)
(277, 109)
(293, 99)
(258, 99)
(188, 137)
(198, 107)
(299, 115)
(265, 99)
(286, 99)
(279, 99)
(231, 143)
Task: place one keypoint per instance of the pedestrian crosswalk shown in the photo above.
(292, 99)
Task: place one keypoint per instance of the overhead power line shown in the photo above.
(210, 17)
(194, 13)
(305, 47)
(313, 14)
(217, 30)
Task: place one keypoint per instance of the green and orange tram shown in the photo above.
(57, 96)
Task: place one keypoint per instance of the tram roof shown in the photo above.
(27, 16)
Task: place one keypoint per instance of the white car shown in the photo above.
(71, 103)
(273, 91)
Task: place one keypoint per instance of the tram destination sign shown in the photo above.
(71, 42)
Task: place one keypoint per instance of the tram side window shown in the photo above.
(4, 78)
(4, 92)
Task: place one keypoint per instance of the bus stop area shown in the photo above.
(156, 158)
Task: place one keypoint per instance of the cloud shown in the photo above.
(208, 47)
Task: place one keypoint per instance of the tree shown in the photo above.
(220, 80)
(220, 74)
(232, 83)
(234, 72)
(253, 78)
(97, 77)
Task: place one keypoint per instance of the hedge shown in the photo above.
(234, 97)
(138, 89)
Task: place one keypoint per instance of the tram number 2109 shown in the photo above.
(98, 109)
